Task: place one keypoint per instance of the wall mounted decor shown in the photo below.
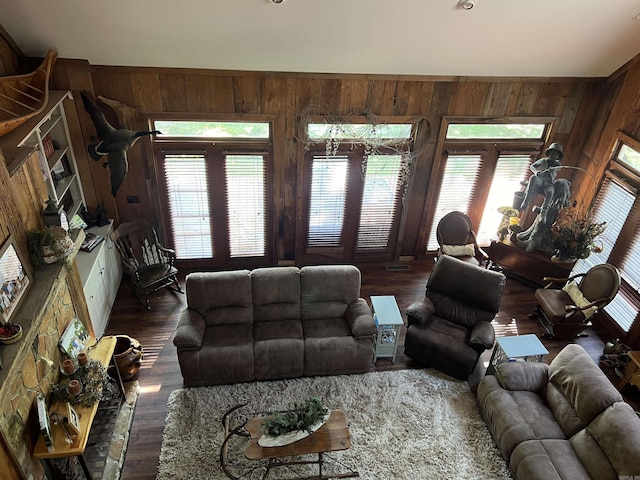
(14, 280)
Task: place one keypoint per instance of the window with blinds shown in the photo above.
(616, 205)
(188, 201)
(456, 189)
(245, 180)
(509, 172)
(327, 201)
(379, 200)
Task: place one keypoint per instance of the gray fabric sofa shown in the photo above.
(561, 421)
(277, 322)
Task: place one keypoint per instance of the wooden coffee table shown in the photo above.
(331, 437)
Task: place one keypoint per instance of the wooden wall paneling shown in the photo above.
(497, 99)
(419, 198)
(198, 93)
(552, 98)
(222, 94)
(381, 97)
(247, 94)
(356, 101)
(467, 98)
(330, 94)
(173, 92)
(611, 111)
(146, 91)
(632, 125)
(113, 83)
(274, 102)
(418, 97)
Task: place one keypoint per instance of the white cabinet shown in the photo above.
(101, 273)
(51, 140)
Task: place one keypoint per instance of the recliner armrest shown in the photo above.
(360, 319)
(190, 330)
(524, 376)
(482, 336)
(420, 311)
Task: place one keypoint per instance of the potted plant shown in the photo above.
(49, 245)
(575, 236)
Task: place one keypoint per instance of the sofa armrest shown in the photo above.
(482, 336)
(525, 376)
(190, 330)
(420, 311)
(360, 319)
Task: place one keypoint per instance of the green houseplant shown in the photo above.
(575, 236)
(49, 245)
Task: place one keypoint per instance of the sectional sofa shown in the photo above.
(276, 322)
(561, 421)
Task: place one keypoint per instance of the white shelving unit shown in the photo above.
(50, 139)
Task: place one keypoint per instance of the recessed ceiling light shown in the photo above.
(466, 4)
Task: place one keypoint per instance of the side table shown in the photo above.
(388, 322)
(516, 348)
(632, 373)
(103, 352)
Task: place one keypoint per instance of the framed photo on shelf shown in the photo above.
(14, 280)
(73, 419)
(74, 338)
(45, 423)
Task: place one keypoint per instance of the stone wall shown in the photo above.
(34, 363)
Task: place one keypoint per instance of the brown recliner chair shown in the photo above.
(565, 306)
(451, 326)
(456, 238)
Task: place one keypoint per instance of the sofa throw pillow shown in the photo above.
(459, 250)
(574, 292)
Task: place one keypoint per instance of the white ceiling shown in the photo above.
(574, 38)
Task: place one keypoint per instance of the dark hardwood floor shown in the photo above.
(160, 374)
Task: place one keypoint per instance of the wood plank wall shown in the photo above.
(288, 96)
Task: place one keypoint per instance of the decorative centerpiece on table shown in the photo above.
(283, 428)
(574, 236)
(82, 382)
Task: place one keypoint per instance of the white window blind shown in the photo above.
(509, 172)
(327, 201)
(245, 177)
(379, 200)
(187, 188)
(613, 205)
(457, 187)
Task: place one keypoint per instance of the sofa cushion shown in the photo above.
(515, 416)
(547, 460)
(327, 290)
(340, 354)
(279, 357)
(578, 390)
(276, 293)
(464, 293)
(609, 446)
(223, 298)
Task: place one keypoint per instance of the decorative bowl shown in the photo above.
(9, 339)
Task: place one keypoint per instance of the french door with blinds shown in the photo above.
(352, 205)
(478, 183)
(216, 204)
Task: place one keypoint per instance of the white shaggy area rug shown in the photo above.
(406, 424)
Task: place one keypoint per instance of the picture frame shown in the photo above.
(14, 280)
(44, 422)
(74, 338)
(73, 420)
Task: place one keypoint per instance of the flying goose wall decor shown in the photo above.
(113, 143)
